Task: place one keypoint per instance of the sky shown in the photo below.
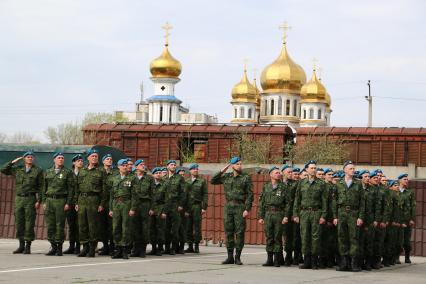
(60, 59)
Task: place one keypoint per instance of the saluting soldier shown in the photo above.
(175, 185)
(197, 192)
(90, 199)
(348, 216)
(408, 213)
(273, 212)
(158, 212)
(310, 210)
(141, 205)
(28, 186)
(72, 216)
(56, 196)
(239, 200)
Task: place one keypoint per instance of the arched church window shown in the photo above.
(295, 108)
(249, 115)
(287, 107)
(304, 113)
(272, 107)
(319, 113)
(242, 114)
(280, 106)
(311, 113)
(170, 114)
(161, 113)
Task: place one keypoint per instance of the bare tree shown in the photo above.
(22, 137)
(3, 137)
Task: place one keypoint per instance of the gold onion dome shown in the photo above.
(244, 91)
(165, 65)
(283, 74)
(313, 91)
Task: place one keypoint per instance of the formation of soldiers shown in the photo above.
(125, 208)
(319, 217)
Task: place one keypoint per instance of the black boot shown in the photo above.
(53, 249)
(21, 247)
(276, 259)
(230, 259)
(92, 248)
(84, 251)
(391, 260)
(197, 248)
(288, 259)
(331, 261)
(296, 258)
(70, 249)
(136, 250)
(27, 247)
(190, 248)
(105, 249)
(281, 258)
(142, 252)
(125, 252)
(375, 262)
(159, 249)
(355, 264)
(238, 257)
(397, 261)
(307, 262)
(77, 248)
(322, 263)
(343, 264)
(153, 249)
(111, 248)
(59, 249)
(180, 248)
(315, 261)
(386, 262)
(407, 256)
(167, 248)
(368, 263)
(173, 248)
(269, 260)
(118, 253)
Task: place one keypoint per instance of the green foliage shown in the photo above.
(319, 148)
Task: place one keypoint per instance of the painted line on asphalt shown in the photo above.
(118, 262)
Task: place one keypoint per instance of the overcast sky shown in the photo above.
(62, 58)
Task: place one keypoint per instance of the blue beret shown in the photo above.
(284, 167)
(138, 162)
(379, 171)
(373, 173)
(336, 175)
(328, 170)
(164, 169)
(273, 168)
(171, 162)
(392, 182)
(320, 170)
(58, 154)
(193, 166)
(122, 162)
(77, 157)
(128, 159)
(302, 170)
(180, 170)
(310, 162)
(363, 172)
(402, 176)
(28, 153)
(156, 170)
(92, 151)
(347, 163)
(234, 160)
(296, 170)
(106, 156)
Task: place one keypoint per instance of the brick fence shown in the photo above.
(213, 221)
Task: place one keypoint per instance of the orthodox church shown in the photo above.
(285, 98)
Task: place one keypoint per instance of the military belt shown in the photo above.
(273, 209)
(348, 208)
(26, 194)
(86, 194)
(310, 208)
(57, 196)
(121, 198)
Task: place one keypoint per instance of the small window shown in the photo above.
(295, 108)
(170, 114)
(242, 114)
(319, 114)
(287, 107)
(249, 113)
(161, 113)
(272, 107)
(235, 113)
(304, 113)
(311, 113)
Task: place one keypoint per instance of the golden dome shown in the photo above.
(313, 91)
(283, 74)
(165, 65)
(244, 91)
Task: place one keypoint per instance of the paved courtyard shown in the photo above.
(190, 268)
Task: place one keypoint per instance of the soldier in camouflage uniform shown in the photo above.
(288, 230)
(183, 215)
(56, 197)
(297, 239)
(72, 216)
(408, 213)
(121, 198)
(90, 199)
(348, 216)
(239, 199)
(29, 183)
(105, 233)
(310, 210)
(390, 242)
(158, 212)
(329, 238)
(273, 212)
(142, 204)
(197, 192)
(175, 199)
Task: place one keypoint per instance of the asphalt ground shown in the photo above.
(189, 268)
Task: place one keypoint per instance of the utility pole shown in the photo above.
(369, 98)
